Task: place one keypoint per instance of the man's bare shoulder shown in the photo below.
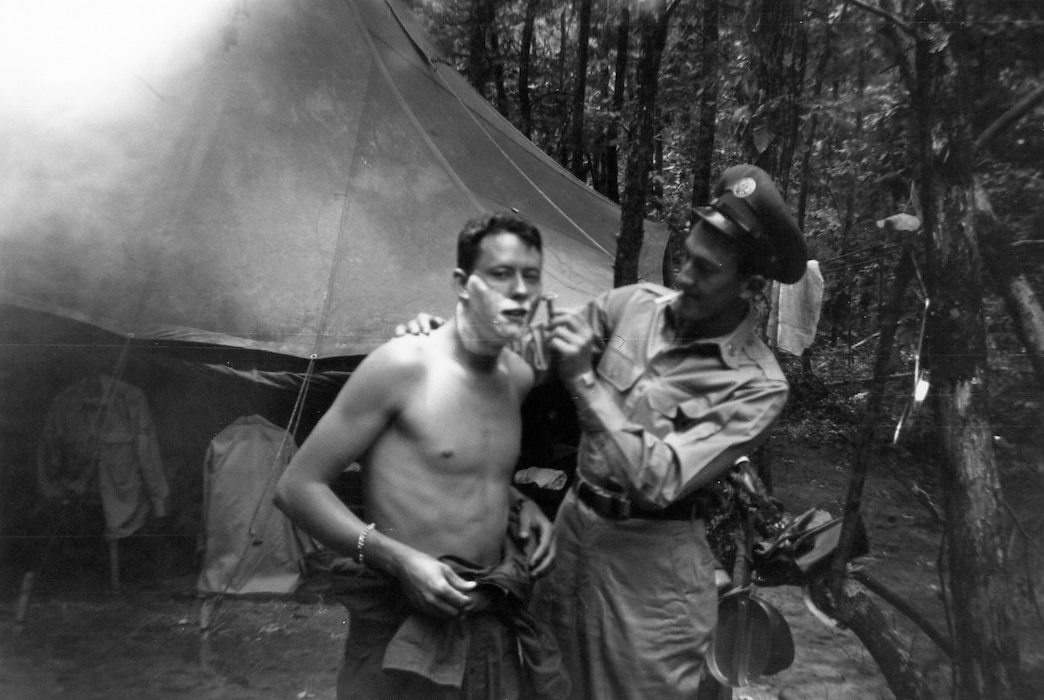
(404, 355)
(388, 374)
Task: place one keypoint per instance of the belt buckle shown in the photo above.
(609, 505)
(619, 507)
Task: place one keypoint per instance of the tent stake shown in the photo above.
(22, 604)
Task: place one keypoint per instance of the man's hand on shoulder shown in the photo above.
(421, 324)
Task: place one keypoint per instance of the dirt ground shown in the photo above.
(82, 640)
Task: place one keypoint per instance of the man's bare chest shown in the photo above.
(465, 421)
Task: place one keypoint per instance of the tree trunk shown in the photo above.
(703, 158)
(985, 638)
(1027, 314)
(986, 645)
(478, 69)
(496, 62)
(851, 605)
(847, 212)
(810, 140)
(596, 160)
(576, 141)
(873, 417)
(623, 49)
(562, 155)
(652, 22)
(771, 137)
(525, 53)
(1010, 281)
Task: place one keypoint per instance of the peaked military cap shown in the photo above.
(748, 206)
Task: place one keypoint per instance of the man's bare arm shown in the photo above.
(356, 419)
(360, 413)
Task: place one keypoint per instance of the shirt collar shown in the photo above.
(728, 345)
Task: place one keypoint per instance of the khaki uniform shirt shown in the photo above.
(665, 418)
(99, 434)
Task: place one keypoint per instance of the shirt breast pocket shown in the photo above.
(619, 370)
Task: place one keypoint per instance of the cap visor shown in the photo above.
(718, 220)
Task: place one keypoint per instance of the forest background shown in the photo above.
(908, 136)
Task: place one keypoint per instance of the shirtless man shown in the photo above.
(434, 423)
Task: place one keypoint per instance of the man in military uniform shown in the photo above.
(670, 388)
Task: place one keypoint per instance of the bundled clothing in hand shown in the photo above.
(395, 652)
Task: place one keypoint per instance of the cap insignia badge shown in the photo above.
(745, 187)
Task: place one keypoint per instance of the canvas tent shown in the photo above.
(249, 176)
(286, 176)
